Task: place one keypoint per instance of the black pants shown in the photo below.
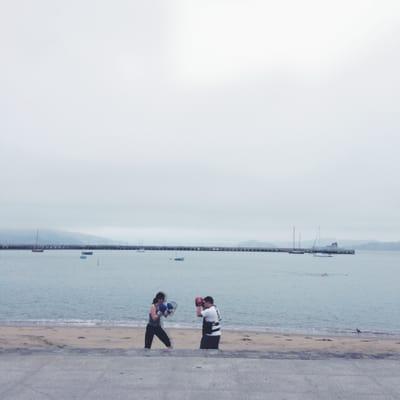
(159, 332)
(209, 342)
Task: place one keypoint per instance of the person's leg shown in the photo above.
(209, 342)
(216, 342)
(148, 338)
(204, 344)
(162, 335)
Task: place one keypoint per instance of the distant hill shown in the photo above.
(47, 236)
(379, 246)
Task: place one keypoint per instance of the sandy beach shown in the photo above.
(28, 337)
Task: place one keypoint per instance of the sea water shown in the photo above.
(261, 291)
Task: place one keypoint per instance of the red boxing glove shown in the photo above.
(198, 301)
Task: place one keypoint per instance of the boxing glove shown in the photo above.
(198, 301)
(162, 308)
(170, 308)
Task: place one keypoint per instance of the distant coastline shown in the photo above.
(51, 237)
(379, 246)
(57, 237)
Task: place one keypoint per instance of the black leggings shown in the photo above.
(159, 332)
(209, 342)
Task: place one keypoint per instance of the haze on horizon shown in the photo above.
(201, 121)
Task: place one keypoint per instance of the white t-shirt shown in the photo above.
(212, 315)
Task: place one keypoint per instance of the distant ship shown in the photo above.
(326, 251)
(179, 258)
(87, 253)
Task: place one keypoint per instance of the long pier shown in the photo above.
(176, 248)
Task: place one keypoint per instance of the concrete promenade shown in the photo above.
(179, 374)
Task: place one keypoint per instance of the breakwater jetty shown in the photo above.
(320, 250)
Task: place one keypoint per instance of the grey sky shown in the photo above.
(176, 121)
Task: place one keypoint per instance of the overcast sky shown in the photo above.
(201, 121)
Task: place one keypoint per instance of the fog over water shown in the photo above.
(211, 122)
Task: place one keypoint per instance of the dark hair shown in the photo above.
(209, 299)
(159, 296)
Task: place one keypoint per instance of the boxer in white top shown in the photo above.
(206, 309)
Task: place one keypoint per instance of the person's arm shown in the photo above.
(153, 312)
(199, 310)
(198, 302)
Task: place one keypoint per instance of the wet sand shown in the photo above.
(51, 337)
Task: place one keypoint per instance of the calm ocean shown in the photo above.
(261, 291)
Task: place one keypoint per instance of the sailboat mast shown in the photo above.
(294, 237)
(35, 247)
